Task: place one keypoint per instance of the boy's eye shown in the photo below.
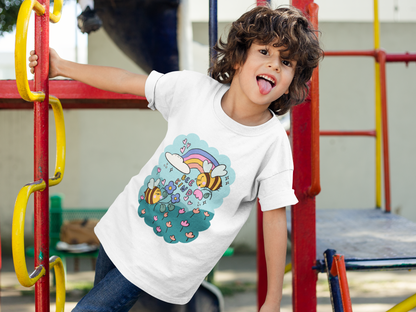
(286, 63)
(264, 51)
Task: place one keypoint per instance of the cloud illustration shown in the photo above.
(177, 161)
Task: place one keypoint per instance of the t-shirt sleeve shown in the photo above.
(160, 90)
(276, 191)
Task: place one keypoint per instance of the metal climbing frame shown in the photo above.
(41, 99)
(76, 95)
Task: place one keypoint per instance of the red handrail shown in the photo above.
(338, 269)
(381, 58)
(371, 133)
(351, 53)
(401, 57)
(315, 187)
(390, 57)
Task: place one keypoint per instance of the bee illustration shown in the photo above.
(211, 179)
(153, 194)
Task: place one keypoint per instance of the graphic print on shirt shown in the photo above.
(178, 200)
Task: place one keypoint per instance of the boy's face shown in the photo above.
(266, 74)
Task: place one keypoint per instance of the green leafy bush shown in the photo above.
(8, 15)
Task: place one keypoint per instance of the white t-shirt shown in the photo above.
(175, 219)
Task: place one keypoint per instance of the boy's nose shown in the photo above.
(275, 65)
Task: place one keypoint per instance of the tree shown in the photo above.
(8, 15)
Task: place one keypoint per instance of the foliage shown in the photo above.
(8, 15)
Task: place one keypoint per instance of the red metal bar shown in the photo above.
(338, 269)
(303, 214)
(390, 57)
(401, 57)
(348, 133)
(345, 133)
(261, 261)
(72, 94)
(351, 53)
(315, 187)
(41, 159)
(381, 58)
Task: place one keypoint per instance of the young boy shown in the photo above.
(224, 148)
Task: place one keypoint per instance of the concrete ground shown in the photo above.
(370, 291)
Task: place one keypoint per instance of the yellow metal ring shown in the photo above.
(60, 141)
(404, 306)
(20, 50)
(18, 230)
(57, 8)
(56, 263)
(288, 267)
(20, 46)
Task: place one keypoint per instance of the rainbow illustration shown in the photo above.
(195, 158)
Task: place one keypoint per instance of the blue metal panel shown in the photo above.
(213, 28)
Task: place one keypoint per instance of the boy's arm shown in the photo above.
(275, 240)
(102, 77)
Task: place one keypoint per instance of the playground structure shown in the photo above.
(315, 232)
(306, 156)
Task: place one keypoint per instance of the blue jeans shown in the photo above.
(111, 291)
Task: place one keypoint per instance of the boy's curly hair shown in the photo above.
(264, 25)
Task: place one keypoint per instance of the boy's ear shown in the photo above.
(287, 91)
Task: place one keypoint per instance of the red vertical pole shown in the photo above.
(381, 58)
(41, 161)
(261, 261)
(303, 235)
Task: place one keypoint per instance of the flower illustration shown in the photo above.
(158, 229)
(154, 219)
(170, 187)
(143, 211)
(184, 224)
(195, 211)
(142, 197)
(189, 235)
(206, 214)
(181, 211)
(176, 198)
(168, 225)
(165, 215)
(172, 237)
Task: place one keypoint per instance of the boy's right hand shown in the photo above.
(53, 62)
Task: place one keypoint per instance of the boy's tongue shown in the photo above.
(264, 86)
